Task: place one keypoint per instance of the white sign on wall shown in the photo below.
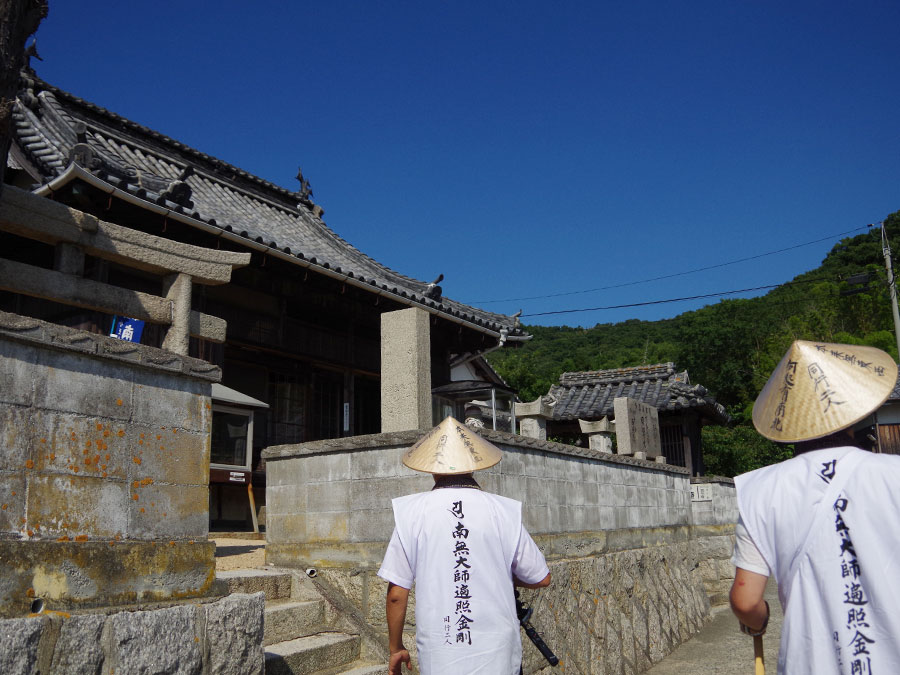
(701, 493)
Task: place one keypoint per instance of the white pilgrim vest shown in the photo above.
(461, 544)
(828, 524)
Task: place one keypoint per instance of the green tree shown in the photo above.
(729, 451)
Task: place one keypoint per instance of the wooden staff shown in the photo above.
(758, 655)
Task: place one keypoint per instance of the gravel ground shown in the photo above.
(237, 554)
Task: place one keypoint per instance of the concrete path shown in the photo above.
(720, 648)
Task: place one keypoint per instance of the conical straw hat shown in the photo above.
(451, 447)
(820, 388)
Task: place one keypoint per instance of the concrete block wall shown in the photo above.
(713, 533)
(329, 502)
(223, 637)
(722, 509)
(564, 492)
(104, 467)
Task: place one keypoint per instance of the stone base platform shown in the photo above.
(71, 575)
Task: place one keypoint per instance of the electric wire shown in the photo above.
(668, 300)
(674, 274)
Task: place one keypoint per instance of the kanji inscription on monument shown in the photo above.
(637, 428)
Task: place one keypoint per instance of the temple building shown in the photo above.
(307, 348)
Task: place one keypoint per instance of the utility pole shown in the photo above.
(886, 250)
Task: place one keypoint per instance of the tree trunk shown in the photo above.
(18, 20)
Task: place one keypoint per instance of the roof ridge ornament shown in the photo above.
(305, 192)
(30, 51)
(82, 153)
(305, 195)
(178, 191)
(517, 319)
(432, 290)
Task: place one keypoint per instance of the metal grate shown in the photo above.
(672, 444)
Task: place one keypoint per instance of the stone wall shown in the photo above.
(606, 610)
(104, 466)
(223, 637)
(618, 533)
(617, 612)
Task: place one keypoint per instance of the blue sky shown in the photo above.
(526, 148)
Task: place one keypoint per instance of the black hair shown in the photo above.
(836, 440)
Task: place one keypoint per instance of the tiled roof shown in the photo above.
(54, 130)
(590, 395)
(895, 394)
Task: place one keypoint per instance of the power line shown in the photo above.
(661, 302)
(670, 276)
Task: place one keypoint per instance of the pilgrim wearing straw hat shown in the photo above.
(825, 523)
(464, 549)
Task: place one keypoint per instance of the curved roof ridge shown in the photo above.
(630, 373)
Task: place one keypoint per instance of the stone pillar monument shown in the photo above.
(638, 429)
(533, 418)
(599, 433)
(405, 370)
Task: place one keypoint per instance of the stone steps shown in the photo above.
(290, 619)
(296, 639)
(276, 584)
(363, 668)
(322, 653)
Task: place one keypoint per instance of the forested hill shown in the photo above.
(732, 346)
